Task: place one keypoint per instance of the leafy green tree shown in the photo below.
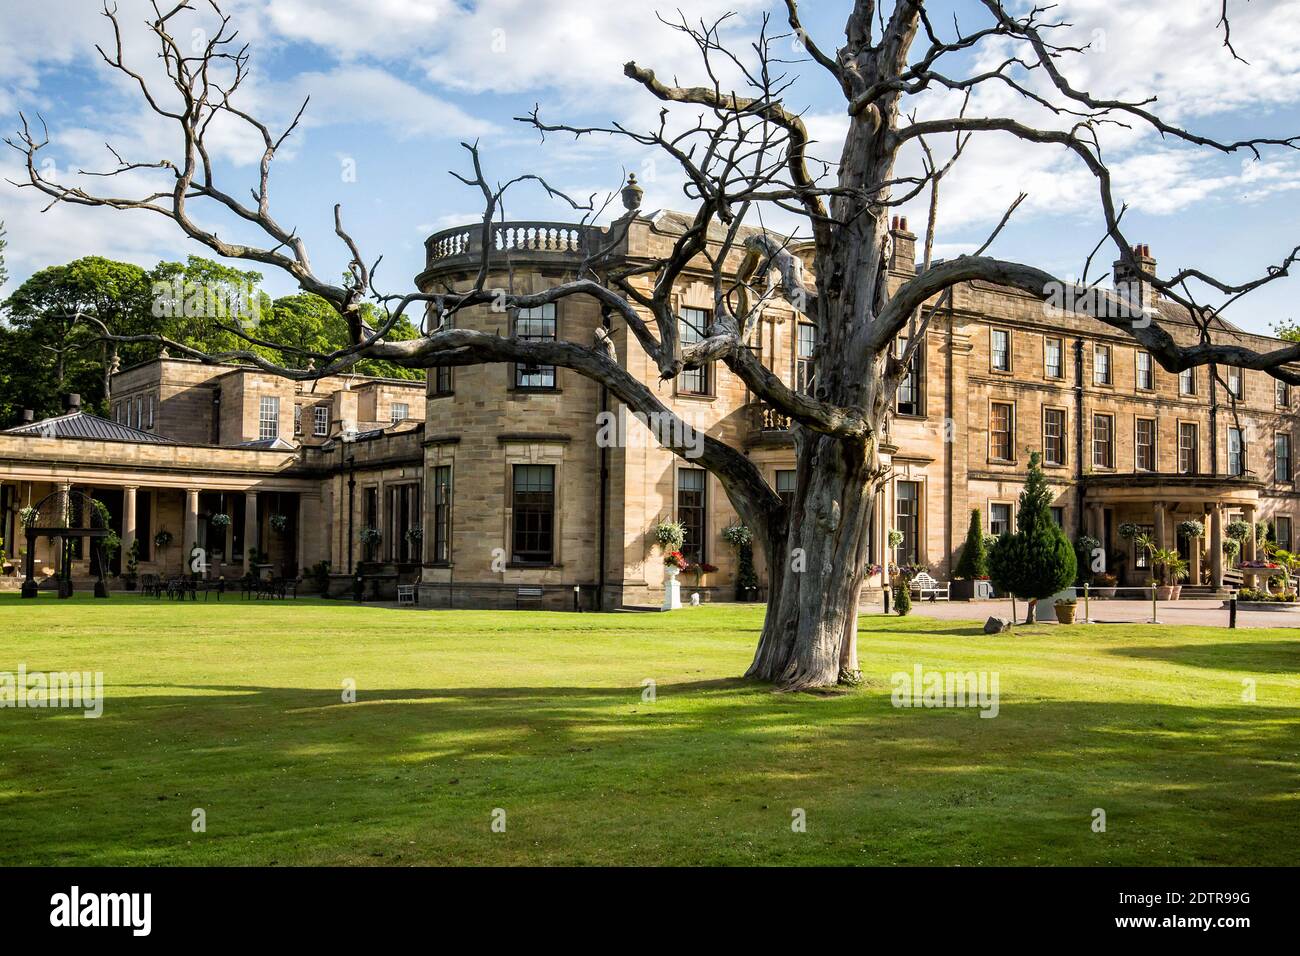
(974, 557)
(1037, 561)
(308, 322)
(54, 335)
(200, 303)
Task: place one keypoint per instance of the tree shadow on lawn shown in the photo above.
(1193, 783)
(1255, 657)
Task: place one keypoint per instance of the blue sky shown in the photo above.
(397, 84)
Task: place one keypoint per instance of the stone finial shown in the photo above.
(163, 353)
(632, 194)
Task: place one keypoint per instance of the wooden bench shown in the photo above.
(528, 594)
(406, 594)
(925, 586)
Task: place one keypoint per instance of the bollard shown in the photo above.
(1232, 610)
(886, 598)
(1087, 613)
(576, 608)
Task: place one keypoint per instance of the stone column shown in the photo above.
(1194, 558)
(1159, 530)
(1216, 546)
(304, 515)
(191, 527)
(128, 521)
(250, 527)
(1248, 546)
(1097, 522)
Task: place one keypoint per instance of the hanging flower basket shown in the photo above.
(219, 520)
(162, 539)
(279, 523)
(1191, 529)
(737, 535)
(28, 515)
(371, 535)
(414, 535)
(669, 535)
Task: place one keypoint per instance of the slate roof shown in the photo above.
(85, 425)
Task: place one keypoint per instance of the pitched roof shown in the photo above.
(85, 425)
(267, 444)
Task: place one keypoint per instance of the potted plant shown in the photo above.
(700, 570)
(132, 565)
(28, 515)
(1191, 529)
(1065, 610)
(1163, 561)
(219, 520)
(1104, 584)
(279, 523)
(973, 564)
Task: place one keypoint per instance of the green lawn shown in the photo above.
(236, 708)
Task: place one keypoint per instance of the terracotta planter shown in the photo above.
(1065, 613)
(1164, 592)
(1103, 592)
(1178, 591)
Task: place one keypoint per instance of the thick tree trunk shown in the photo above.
(815, 571)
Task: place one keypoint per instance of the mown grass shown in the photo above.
(237, 709)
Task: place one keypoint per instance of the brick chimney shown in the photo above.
(1130, 284)
(902, 256)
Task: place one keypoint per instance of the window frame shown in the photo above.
(1063, 437)
(1047, 369)
(912, 380)
(1290, 531)
(695, 552)
(320, 425)
(1011, 517)
(1289, 477)
(1010, 432)
(1138, 421)
(440, 553)
(1234, 431)
(1138, 371)
(519, 370)
(902, 554)
(690, 334)
(530, 557)
(1109, 464)
(265, 423)
(1187, 382)
(994, 331)
(393, 417)
(1194, 428)
(1099, 349)
(805, 366)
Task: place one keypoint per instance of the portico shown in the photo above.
(1159, 503)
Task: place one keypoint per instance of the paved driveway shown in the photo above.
(1211, 613)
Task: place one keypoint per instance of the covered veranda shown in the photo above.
(1158, 503)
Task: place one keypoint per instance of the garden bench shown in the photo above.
(406, 594)
(925, 586)
(528, 594)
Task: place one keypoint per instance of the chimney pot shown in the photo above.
(73, 401)
(902, 223)
(28, 416)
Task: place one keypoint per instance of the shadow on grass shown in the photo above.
(272, 763)
(1271, 657)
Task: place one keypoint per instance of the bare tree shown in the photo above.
(741, 150)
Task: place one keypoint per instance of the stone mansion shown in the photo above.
(486, 485)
